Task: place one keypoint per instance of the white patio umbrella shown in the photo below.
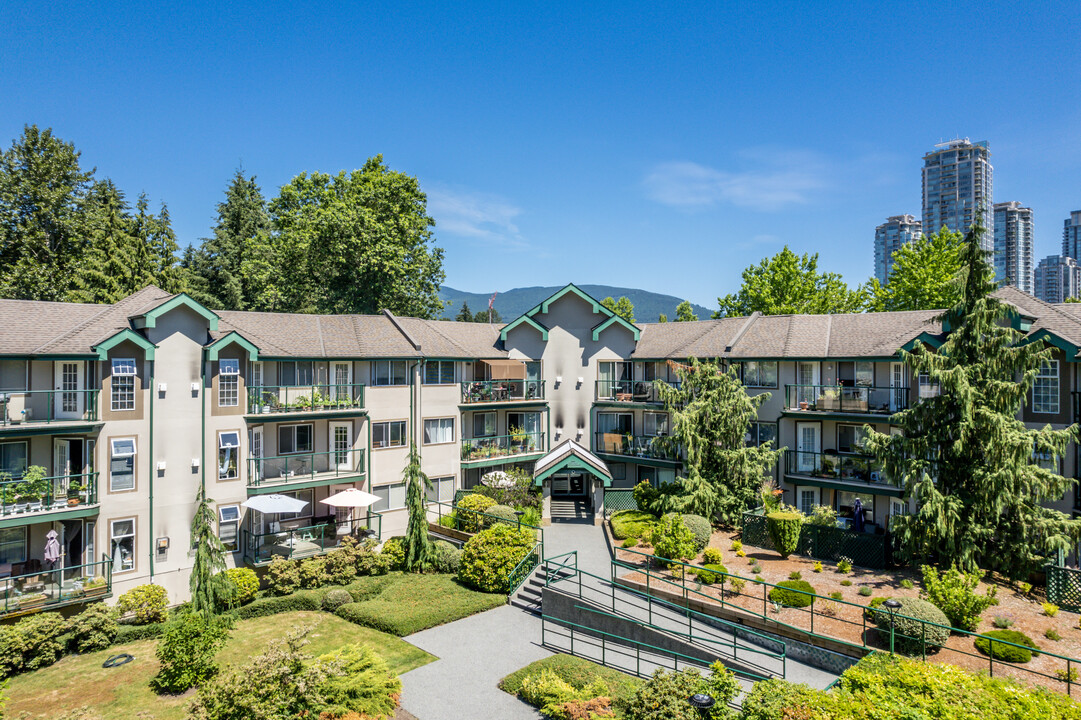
(351, 498)
(275, 503)
(497, 479)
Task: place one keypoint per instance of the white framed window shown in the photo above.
(306, 496)
(294, 439)
(438, 430)
(388, 434)
(759, 373)
(656, 423)
(391, 497)
(865, 374)
(927, 388)
(390, 372)
(484, 424)
(13, 458)
(759, 433)
(228, 454)
(255, 372)
(228, 383)
(442, 489)
(122, 385)
(122, 542)
(807, 501)
(121, 464)
(229, 526)
(439, 372)
(1045, 389)
(13, 544)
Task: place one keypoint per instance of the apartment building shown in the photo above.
(132, 408)
(891, 236)
(1057, 279)
(1013, 233)
(958, 187)
(1071, 235)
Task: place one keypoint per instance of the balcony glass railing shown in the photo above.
(302, 467)
(489, 391)
(309, 540)
(25, 496)
(848, 467)
(650, 447)
(37, 589)
(631, 391)
(502, 446)
(304, 398)
(31, 407)
(856, 399)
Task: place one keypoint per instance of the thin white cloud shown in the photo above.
(480, 216)
(779, 179)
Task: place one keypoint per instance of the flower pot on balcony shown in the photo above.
(73, 501)
(803, 405)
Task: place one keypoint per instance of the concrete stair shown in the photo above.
(571, 510)
(528, 597)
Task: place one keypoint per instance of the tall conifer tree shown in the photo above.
(207, 589)
(418, 549)
(965, 457)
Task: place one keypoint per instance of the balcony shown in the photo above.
(630, 391)
(860, 470)
(308, 540)
(29, 408)
(845, 399)
(645, 447)
(27, 592)
(284, 399)
(306, 469)
(29, 497)
(484, 450)
(478, 392)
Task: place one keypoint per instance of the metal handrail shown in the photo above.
(496, 391)
(304, 466)
(324, 536)
(860, 399)
(834, 465)
(630, 391)
(655, 447)
(46, 492)
(497, 446)
(21, 593)
(304, 398)
(525, 568)
(479, 520)
(22, 407)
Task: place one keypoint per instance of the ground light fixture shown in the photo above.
(702, 702)
(892, 605)
(519, 514)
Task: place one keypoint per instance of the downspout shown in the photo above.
(153, 469)
(202, 433)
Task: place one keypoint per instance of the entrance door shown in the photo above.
(561, 485)
(808, 439)
(342, 377)
(72, 544)
(897, 386)
(68, 401)
(255, 452)
(807, 379)
(341, 445)
(808, 498)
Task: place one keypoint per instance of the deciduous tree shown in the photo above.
(622, 307)
(924, 275)
(790, 284)
(965, 458)
(685, 313)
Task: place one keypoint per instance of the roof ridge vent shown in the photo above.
(743, 330)
(402, 330)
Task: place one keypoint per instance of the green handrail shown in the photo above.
(22, 495)
(860, 399)
(477, 520)
(524, 569)
(304, 398)
(30, 592)
(498, 446)
(298, 467)
(19, 407)
(496, 391)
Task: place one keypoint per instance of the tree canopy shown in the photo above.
(789, 284)
(685, 313)
(622, 307)
(924, 275)
(978, 475)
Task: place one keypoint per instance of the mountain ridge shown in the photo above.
(512, 303)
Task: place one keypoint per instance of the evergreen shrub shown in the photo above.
(468, 509)
(245, 583)
(711, 573)
(672, 539)
(283, 576)
(445, 557)
(627, 524)
(1002, 651)
(146, 603)
(358, 682)
(784, 530)
(785, 593)
(33, 642)
(701, 528)
(335, 599)
(954, 593)
(186, 652)
(393, 552)
(490, 555)
(95, 628)
(503, 512)
(711, 556)
(909, 632)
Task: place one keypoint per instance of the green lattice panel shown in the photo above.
(823, 543)
(755, 532)
(616, 500)
(1064, 587)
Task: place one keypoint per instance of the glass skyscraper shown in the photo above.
(1013, 245)
(889, 237)
(957, 186)
(1071, 236)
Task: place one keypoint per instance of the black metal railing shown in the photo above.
(304, 398)
(855, 399)
(630, 391)
(849, 467)
(648, 447)
(494, 391)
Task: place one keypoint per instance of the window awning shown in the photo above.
(506, 369)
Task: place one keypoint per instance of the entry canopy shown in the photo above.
(506, 369)
(569, 455)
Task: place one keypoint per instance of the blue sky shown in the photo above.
(661, 146)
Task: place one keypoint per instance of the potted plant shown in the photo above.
(518, 437)
(76, 493)
(32, 600)
(628, 441)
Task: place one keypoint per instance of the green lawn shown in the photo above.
(123, 693)
(579, 673)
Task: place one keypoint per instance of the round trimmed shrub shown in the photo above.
(503, 512)
(701, 528)
(909, 632)
(672, 539)
(95, 628)
(873, 608)
(445, 557)
(146, 602)
(490, 555)
(712, 556)
(245, 582)
(467, 511)
(1002, 651)
(784, 593)
(335, 599)
(784, 530)
(627, 524)
(710, 574)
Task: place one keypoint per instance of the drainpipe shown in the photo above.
(153, 470)
(202, 433)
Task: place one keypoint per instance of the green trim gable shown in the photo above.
(925, 338)
(571, 288)
(571, 462)
(1054, 340)
(150, 319)
(102, 349)
(616, 320)
(233, 338)
(524, 319)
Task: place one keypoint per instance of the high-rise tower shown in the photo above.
(889, 237)
(1071, 236)
(1013, 245)
(957, 186)
(1057, 278)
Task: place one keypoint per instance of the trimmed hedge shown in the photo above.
(709, 574)
(784, 529)
(1008, 653)
(784, 593)
(490, 555)
(411, 603)
(132, 633)
(309, 600)
(245, 583)
(468, 507)
(909, 633)
(445, 557)
(335, 598)
(701, 528)
(632, 524)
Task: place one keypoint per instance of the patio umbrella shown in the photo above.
(275, 504)
(351, 498)
(52, 547)
(497, 479)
